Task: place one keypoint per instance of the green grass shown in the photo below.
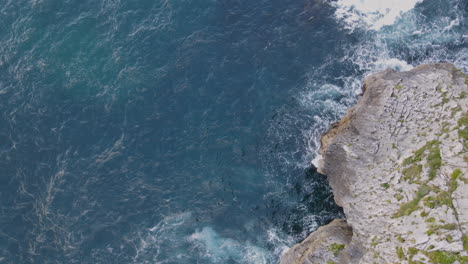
(436, 228)
(418, 155)
(443, 197)
(455, 110)
(398, 196)
(411, 206)
(412, 251)
(434, 160)
(441, 257)
(449, 238)
(385, 185)
(412, 172)
(455, 174)
(398, 87)
(463, 133)
(430, 220)
(375, 241)
(400, 253)
(463, 121)
(445, 100)
(400, 239)
(336, 248)
(452, 183)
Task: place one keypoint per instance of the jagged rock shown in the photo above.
(398, 163)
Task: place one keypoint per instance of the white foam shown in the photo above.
(426, 40)
(317, 161)
(393, 63)
(280, 240)
(148, 242)
(220, 249)
(372, 14)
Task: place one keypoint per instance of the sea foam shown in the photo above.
(373, 14)
(221, 249)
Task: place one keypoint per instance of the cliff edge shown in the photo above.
(397, 163)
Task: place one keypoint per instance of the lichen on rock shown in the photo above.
(397, 163)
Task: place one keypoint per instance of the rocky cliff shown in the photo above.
(397, 163)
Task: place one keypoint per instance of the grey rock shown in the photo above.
(398, 163)
(322, 246)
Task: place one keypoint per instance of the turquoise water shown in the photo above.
(184, 131)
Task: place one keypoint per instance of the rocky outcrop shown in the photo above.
(325, 244)
(398, 163)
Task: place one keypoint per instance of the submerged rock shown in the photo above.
(397, 163)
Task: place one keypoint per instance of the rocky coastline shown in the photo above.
(397, 163)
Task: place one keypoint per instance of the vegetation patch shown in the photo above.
(430, 220)
(445, 197)
(434, 160)
(336, 248)
(463, 132)
(455, 110)
(452, 183)
(375, 241)
(444, 257)
(400, 253)
(400, 239)
(449, 238)
(411, 206)
(436, 228)
(440, 199)
(412, 251)
(398, 196)
(435, 257)
(412, 173)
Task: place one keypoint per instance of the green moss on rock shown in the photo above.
(442, 257)
(336, 248)
(411, 206)
(412, 172)
(434, 160)
(435, 228)
(400, 253)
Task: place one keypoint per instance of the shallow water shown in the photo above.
(183, 131)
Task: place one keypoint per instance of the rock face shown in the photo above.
(398, 163)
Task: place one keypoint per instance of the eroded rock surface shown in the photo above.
(398, 163)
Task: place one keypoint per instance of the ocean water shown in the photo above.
(158, 131)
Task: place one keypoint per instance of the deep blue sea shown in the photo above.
(176, 131)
